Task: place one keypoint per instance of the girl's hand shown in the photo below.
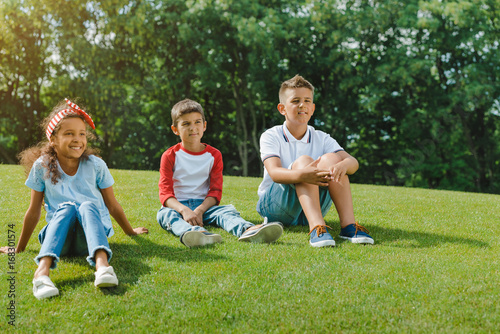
(6, 249)
(140, 230)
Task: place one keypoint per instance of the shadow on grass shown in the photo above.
(129, 262)
(398, 237)
(395, 237)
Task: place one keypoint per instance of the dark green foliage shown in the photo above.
(410, 88)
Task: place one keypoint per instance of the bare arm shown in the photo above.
(30, 221)
(116, 211)
(309, 174)
(207, 204)
(348, 165)
(193, 217)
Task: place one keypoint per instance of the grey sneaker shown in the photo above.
(199, 238)
(265, 233)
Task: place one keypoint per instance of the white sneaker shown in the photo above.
(44, 288)
(266, 233)
(105, 277)
(199, 238)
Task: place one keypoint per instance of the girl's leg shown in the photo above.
(97, 243)
(90, 219)
(53, 236)
(105, 275)
(44, 266)
(101, 259)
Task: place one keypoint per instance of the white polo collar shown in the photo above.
(290, 138)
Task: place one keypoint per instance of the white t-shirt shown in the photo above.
(279, 142)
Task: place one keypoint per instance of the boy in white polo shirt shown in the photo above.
(305, 169)
(191, 187)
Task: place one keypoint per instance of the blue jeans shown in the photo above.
(73, 230)
(224, 216)
(280, 203)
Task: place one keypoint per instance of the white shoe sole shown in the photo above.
(359, 240)
(265, 234)
(198, 239)
(326, 243)
(106, 282)
(46, 293)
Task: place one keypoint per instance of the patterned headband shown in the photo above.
(73, 109)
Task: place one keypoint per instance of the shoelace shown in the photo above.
(320, 229)
(360, 228)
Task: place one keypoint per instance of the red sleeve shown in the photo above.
(215, 189)
(166, 183)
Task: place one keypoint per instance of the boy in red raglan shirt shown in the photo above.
(191, 187)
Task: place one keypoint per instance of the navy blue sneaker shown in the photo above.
(320, 237)
(356, 233)
(199, 238)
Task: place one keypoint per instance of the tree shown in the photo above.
(409, 88)
(232, 44)
(26, 61)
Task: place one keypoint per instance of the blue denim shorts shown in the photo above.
(280, 203)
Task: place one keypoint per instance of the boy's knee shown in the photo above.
(167, 214)
(302, 162)
(228, 210)
(329, 159)
(164, 221)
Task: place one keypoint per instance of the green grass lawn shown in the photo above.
(434, 268)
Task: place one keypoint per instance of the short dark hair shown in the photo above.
(186, 106)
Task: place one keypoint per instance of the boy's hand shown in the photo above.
(140, 230)
(191, 217)
(199, 214)
(311, 174)
(348, 166)
(337, 171)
